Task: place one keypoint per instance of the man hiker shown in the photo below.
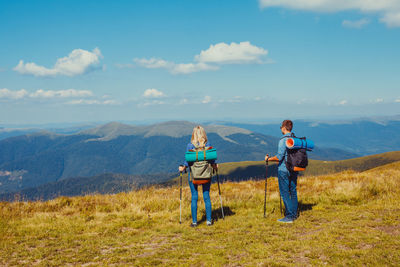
(287, 179)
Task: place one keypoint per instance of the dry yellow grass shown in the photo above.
(348, 218)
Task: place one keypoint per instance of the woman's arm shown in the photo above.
(185, 165)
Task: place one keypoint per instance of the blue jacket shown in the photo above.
(282, 152)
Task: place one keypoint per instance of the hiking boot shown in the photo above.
(285, 220)
(209, 223)
(193, 225)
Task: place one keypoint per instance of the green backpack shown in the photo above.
(201, 171)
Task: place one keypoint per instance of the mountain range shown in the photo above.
(362, 136)
(39, 158)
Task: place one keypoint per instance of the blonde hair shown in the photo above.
(199, 137)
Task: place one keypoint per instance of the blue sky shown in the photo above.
(81, 61)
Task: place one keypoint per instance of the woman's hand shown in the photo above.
(182, 168)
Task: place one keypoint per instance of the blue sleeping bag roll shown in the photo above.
(208, 154)
(297, 143)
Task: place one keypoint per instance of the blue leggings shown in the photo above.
(195, 197)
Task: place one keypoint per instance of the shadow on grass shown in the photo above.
(216, 214)
(254, 172)
(305, 206)
(300, 208)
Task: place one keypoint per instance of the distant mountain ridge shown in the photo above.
(11, 132)
(362, 136)
(172, 129)
(39, 158)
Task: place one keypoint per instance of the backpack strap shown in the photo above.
(288, 136)
(199, 149)
(285, 156)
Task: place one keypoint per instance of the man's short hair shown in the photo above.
(288, 124)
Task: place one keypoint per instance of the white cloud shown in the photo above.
(391, 19)
(343, 102)
(153, 63)
(10, 94)
(151, 103)
(397, 100)
(378, 100)
(235, 99)
(184, 101)
(356, 24)
(86, 97)
(301, 101)
(61, 93)
(92, 102)
(174, 68)
(206, 100)
(191, 67)
(110, 102)
(234, 53)
(389, 10)
(153, 93)
(78, 62)
(221, 53)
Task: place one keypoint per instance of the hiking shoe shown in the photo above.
(285, 220)
(209, 223)
(193, 225)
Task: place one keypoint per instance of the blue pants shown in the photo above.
(287, 187)
(195, 197)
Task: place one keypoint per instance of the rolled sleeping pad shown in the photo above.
(208, 154)
(297, 143)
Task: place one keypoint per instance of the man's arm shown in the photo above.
(274, 158)
(281, 152)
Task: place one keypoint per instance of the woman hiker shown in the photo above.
(287, 180)
(199, 140)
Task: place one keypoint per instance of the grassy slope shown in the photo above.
(256, 169)
(107, 183)
(347, 219)
(356, 164)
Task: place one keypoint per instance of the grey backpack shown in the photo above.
(201, 171)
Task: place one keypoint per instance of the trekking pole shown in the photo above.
(280, 200)
(180, 199)
(298, 206)
(265, 190)
(220, 197)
